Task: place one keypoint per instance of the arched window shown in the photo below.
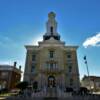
(51, 30)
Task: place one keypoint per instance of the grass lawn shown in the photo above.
(7, 94)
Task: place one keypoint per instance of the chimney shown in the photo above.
(15, 64)
(20, 67)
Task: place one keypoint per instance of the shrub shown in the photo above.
(22, 85)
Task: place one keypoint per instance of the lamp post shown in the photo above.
(85, 59)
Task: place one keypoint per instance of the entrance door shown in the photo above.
(51, 81)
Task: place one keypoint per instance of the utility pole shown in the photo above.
(85, 59)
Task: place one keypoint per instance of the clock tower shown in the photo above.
(52, 64)
(51, 27)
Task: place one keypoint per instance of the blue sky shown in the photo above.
(23, 22)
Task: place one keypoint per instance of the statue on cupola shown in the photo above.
(51, 27)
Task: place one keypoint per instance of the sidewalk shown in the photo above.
(2, 97)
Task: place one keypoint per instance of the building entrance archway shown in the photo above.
(51, 81)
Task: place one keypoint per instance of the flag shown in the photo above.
(84, 57)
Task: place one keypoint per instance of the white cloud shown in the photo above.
(92, 41)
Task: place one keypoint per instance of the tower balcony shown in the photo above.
(54, 59)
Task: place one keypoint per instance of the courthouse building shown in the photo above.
(52, 63)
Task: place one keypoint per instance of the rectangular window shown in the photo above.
(33, 57)
(70, 68)
(55, 65)
(71, 82)
(47, 65)
(68, 56)
(4, 74)
(51, 65)
(51, 54)
(33, 68)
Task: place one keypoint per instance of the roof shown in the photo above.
(91, 78)
(9, 68)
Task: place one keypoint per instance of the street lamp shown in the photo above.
(85, 59)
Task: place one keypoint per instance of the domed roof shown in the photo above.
(51, 15)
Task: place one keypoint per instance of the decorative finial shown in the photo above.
(15, 64)
(51, 15)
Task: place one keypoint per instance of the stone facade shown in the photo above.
(52, 63)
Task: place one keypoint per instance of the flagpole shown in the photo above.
(87, 71)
